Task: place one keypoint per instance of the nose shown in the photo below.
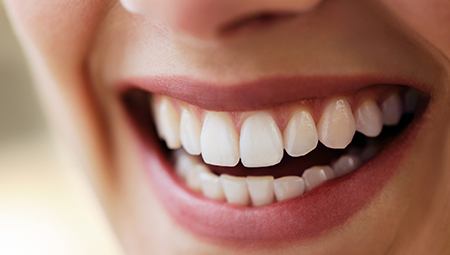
(205, 19)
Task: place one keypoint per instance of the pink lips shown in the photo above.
(317, 212)
(258, 94)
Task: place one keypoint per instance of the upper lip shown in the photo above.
(260, 93)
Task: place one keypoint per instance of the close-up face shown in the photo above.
(253, 127)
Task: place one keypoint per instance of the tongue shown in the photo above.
(288, 165)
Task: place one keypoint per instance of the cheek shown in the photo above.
(56, 36)
(430, 19)
(56, 28)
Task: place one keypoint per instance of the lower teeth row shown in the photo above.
(263, 190)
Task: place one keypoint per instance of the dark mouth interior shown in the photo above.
(137, 104)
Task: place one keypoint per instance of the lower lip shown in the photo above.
(305, 217)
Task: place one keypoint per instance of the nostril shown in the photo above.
(259, 19)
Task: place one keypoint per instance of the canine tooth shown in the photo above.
(183, 163)
(300, 135)
(211, 186)
(260, 142)
(190, 132)
(317, 175)
(219, 140)
(369, 119)
(392, 110)
(155, 111)
(288, 187)
(235, 189)
(345, 165)
(193, 176)
(260, 189)
(169, 123)
(337, 124)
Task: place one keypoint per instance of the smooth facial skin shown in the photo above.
(79, 50)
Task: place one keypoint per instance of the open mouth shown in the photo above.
(286, 158)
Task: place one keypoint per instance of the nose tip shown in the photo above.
(206, 19)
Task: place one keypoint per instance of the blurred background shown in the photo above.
(46, 207)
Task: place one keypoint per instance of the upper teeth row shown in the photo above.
(260, 141)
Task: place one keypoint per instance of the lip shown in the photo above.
(305, 217)
(320, 210)
(260, 93)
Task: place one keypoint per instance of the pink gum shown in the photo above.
(282, 113)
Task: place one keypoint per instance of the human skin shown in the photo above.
(77, 49)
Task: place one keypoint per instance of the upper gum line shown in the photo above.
(282, 113)
(236, 135)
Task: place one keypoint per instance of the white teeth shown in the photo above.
(288, 187)
(193, 180)
(184, 163)
(300, 135)
(155, 111)
(197, 176)
(392, 110)
(219, 140)
(168, 123)
(317, 175)
(190, 132)
(235, 189)
(211, 186)
(261, 143)
(345, 165)
(261, 190)
(369, 119)
(337, 125)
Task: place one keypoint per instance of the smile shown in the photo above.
(278, 166)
